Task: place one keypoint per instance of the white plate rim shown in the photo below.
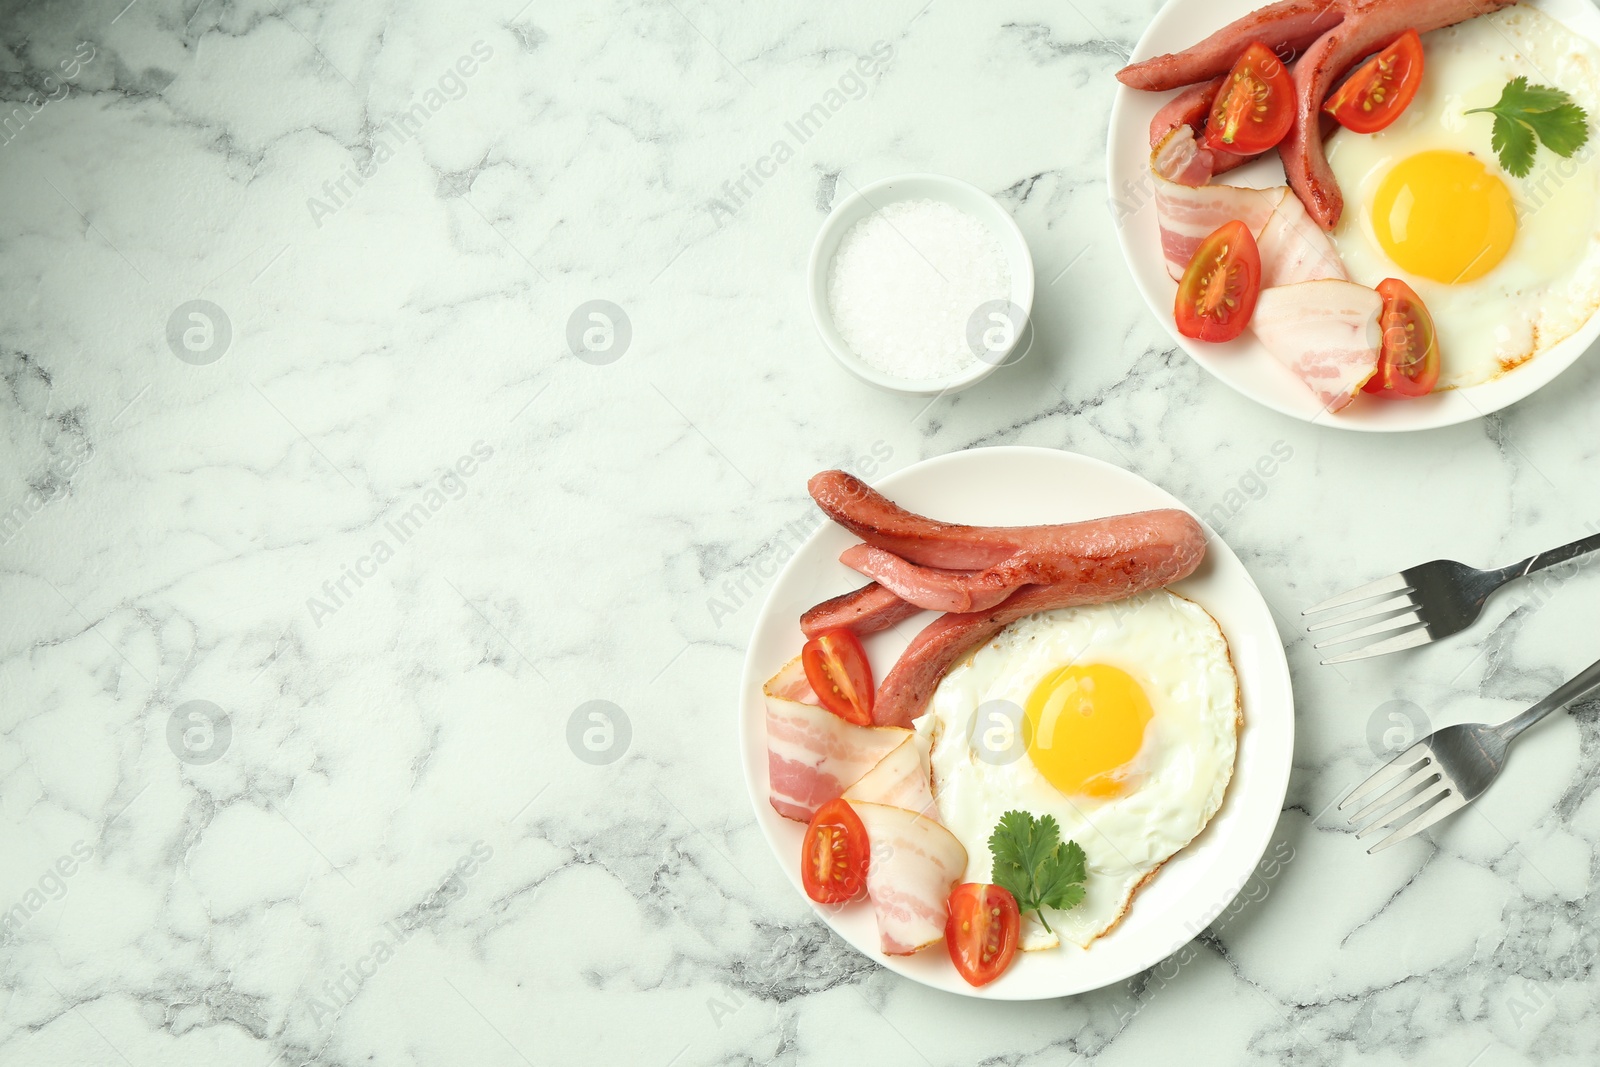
(1219, 864)
(1243, 365)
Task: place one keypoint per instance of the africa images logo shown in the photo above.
(851, 85)
(405, 127)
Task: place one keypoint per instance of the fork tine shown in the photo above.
(1394, 583)
(1405, 761)
(1406, 807)
(1409, 639)
(1365, 611)
(1451, 803)
(1426, 775)
(1381, 628)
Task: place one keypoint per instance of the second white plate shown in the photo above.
(1243, 364)
(1020, 486)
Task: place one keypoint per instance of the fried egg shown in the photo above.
(1507, 266)
(1120, 720)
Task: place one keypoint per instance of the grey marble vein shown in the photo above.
(368, 658)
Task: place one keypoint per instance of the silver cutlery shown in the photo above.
(1448, 769)
(1424, 603)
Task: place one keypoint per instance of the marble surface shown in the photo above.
(320, 544)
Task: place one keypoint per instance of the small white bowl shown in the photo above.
(965, 198)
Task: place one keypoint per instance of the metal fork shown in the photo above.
(1424, 603)
(1448, 769)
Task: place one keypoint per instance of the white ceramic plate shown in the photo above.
(1244, 364)
(1019, 486)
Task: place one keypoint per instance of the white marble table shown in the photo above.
(305, 583)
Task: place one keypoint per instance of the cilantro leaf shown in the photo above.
(1515, 143)
(1564, 129)
(1528, 114)
(1535, 98)
(1033, 865)
(1015, 854)
(1061, 886)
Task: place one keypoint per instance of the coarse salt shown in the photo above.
(905, 285)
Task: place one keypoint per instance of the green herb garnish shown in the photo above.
(1528, 114)
(1033, 865)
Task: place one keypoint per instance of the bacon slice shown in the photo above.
(902, 779)
(1178, 157)
(1295, 249)
(791, 683)
(1325, 331)
(865, 611)
(915, 864)
(813, 756)
(1188, 213)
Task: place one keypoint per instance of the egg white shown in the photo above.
(981, 769)
(1548, 284)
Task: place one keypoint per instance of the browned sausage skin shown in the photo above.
(1035, 568)
(905, 690)
(1092, 555)
(1328, 37)
(865, 611)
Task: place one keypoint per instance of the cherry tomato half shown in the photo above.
(1408, 362)
(837, 668)
(1217, 294)
(982, 931)
(1378, 90)
(1255, 106)
(834, 854)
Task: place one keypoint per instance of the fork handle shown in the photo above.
(1581, 685)
(1540, 560)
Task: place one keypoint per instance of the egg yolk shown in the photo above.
(1442, 215)
(1088, 724)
